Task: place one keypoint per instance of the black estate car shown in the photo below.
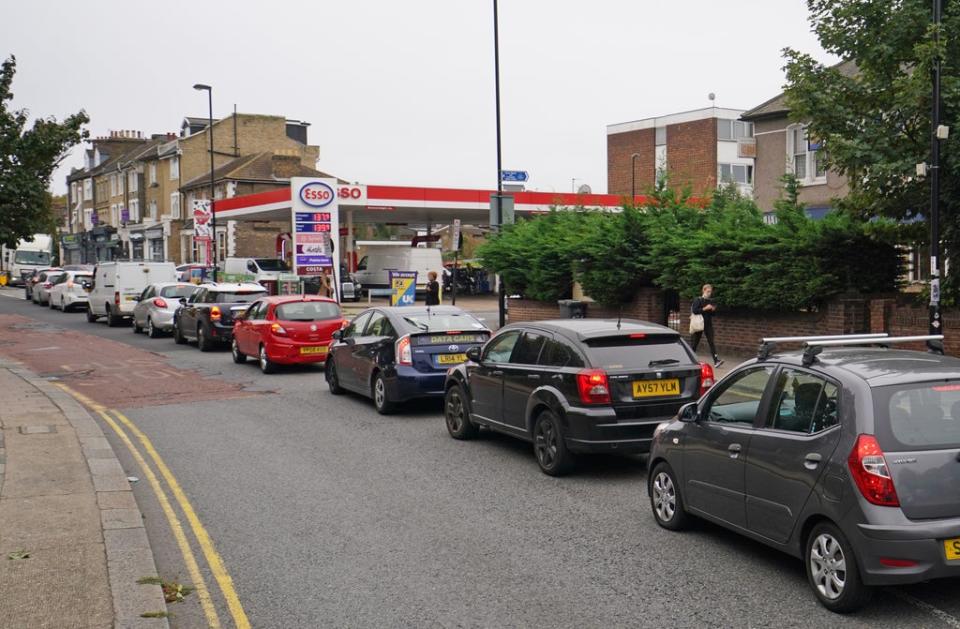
(575, 385)
(207, 315)
(844, 455)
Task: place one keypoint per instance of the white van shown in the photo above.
(116, 286)
(28, 257)
(259, 268)
(372, 270)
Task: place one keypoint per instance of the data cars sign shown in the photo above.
(315, 215)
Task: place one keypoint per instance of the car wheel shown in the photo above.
(203, 340)
(238, 356)
(833, 572)
(665, 499)
(457, 418)
(112, 319)
(381, 401)
(136, 328)
(178, 336)
(265, 365)
(51, 304)
(152, 330)
(549, 445)
(91, 318)
(330, 373)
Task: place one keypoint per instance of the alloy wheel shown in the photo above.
(828, 566)
(664, 497)
(454, 412)
(263, 358)
(379, 393)
(545, 443)
(150, 331)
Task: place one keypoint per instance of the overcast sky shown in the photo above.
(403, 92)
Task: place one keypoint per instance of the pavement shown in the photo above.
(72, 539)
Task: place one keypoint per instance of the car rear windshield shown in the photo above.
(637, 352)
(53, 277)
(177, 291)
(924, 416)
(444, 322)
(238, 297)
(272, 264)
(308, 311)
(80, 277)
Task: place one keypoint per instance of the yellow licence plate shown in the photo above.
(451, 359)
(952, 548)
(654, 388)
(322, 349)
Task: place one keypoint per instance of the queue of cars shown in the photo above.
(845, 454)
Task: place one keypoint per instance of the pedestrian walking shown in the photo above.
(433, 289)
(326, 284)
(701, 322)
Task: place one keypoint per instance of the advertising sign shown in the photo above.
(315, 214)
(202, 219)
(403, 288)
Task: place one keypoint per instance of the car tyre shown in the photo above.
(112, 319)
(330, 373)
(833, 571)
(136, 328)
(91, 318)
(152, 330)
(457, 416)
(178, 336)
(51, 304)
(549, 445)
(63, 305)
(266, 365)
(665, 499)
(381, 401)
(238, 356)
(203, 339)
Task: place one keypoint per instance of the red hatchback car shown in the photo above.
(286, 330)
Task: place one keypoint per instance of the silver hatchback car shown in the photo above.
(156, 305)
(845, 455)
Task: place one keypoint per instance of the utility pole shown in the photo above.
(936, 321)
(502, 297)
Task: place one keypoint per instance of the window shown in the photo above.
(735, 173)
(921, 416)
(805, 156)
(528, 349)
(501, 348)
(257, 311)
(177, 291)
(323, 311)
(114, 215)
(152, 170)
(557, 354)
(113, 185)
(156, 250)
(739, 399)
(88, 189)
(73, 192)
(152, 208)
(804, 403)
(174, 168)
(147, 293)
(733, 130)
(133, 185)
(175, 205)
(134, 210)
(221, 245)
(628, 352)
(660, 136)
(379, 326)
(356, 326)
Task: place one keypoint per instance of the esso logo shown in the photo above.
(350, 193)
(317, 194)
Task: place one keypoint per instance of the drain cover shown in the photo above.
(37, 430)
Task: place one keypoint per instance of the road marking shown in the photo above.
(948, 619)
(209, 610)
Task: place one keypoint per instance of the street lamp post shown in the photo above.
(213, 213)
(936, 321)
(633, 177)
(502, 301)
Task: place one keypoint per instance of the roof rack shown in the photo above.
(769, 342)
(813, 348)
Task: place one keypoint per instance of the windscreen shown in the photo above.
(307, 311)
(919, 416)
(31, 257)
(627, 352)
(238, 297)
(177, 292)
(272, 264)
(444, 322)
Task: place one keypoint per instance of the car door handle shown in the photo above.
(812, 460)
(496, 372)
(533, 376)
(734, 450)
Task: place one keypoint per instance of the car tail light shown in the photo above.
(890, 562)
(215, 314)
(116, 298)
(404, 353)
(593, 386)
(870, 472)
(159, 302)
(278, 329)
(707, 377)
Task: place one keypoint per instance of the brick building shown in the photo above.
(696, 149)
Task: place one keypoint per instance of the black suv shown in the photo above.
(207, 315)
(568, 386)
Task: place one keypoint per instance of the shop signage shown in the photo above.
(202, 221)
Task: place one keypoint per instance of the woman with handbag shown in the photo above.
(701, 322)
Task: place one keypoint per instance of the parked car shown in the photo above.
(68, 291)
(116, 286)
(30, 280)
(846, 459)
(194, 273)
(397, 354)
(40, 294)
(156, 305)
(207, 315)
(575, 386)
(286, 330)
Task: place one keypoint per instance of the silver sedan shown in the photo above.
(156, 305)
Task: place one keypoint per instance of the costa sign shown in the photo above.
(317, 194)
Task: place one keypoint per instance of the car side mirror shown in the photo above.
(183, 301)
(473, 354)
(337, 335)
(689, 413)
(240, 316)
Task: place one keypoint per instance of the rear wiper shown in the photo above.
(422, 326)
(665, 361)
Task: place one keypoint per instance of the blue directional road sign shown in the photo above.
(517, 176)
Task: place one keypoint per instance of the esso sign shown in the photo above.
(352, 194)
(317, 194)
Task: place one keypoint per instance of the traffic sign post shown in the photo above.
(514, 176)
(457, 245)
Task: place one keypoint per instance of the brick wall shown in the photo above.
(620, 148)
(692, 155)
(258, 239)
(648, 305)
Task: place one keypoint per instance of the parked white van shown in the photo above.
(116, 286)
(372, 270)
(260, 268)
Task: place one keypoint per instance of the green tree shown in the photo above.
(28, 158)
(872, 112)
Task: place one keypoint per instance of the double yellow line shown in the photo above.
(112, 417)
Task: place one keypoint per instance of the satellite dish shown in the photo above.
(584, 189)
(712, 96)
